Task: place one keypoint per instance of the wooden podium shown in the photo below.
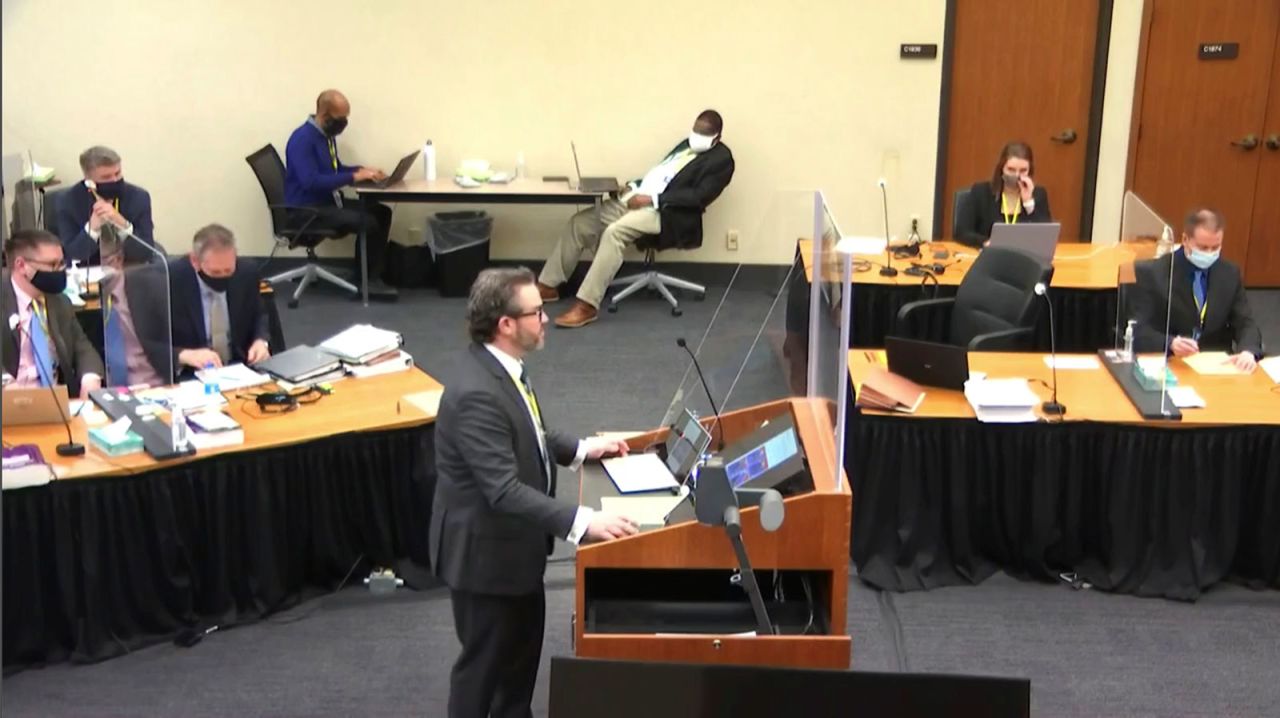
(640, 598)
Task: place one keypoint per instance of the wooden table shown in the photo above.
(125, 551)
(520, 191)
(1152, 508)
(1084, 296)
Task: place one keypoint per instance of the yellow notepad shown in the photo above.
(1212, 363)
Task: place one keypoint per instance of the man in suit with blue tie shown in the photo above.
(43, 343)
(1206, 307)
(495, 514)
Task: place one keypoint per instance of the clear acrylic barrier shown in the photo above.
(136, 317)
(21, 201)
(1144, 235)
(741, 349)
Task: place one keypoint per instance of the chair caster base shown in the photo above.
(612, 308)
(293, 304)
(675, 312)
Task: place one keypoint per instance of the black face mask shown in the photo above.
(50, 282)
(217, 284)
(334, 126)
(110, 190)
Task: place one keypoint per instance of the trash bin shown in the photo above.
(408, 266)
(459, 243)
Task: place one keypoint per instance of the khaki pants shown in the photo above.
(609, 230)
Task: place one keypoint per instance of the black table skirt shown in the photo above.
(95, 567)
(1085, 317)
(1141, 510)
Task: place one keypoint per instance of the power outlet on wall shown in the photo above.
(731, 240)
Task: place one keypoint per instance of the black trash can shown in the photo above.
(459, 243)
(408, 267)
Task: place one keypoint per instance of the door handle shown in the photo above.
(1272, 142)
(1065, 137)
(1246, 143)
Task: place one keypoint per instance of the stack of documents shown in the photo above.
(232, 377)
(639, 472)
(25, 466)
(362, 344)
(885, 390)
(1001, 401)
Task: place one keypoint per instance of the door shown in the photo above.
(1022, 71)
(1263, 267)
(1199, 121)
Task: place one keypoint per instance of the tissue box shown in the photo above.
(108, 443)
(1151, 375)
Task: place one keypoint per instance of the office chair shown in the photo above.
(650, 278)
(292, 226)
(995, 308)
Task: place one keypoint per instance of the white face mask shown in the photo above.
(700, 143)
(1200, 258)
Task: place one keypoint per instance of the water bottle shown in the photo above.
(76, 278)
(429, 161)
(177, 427)
(521, 172)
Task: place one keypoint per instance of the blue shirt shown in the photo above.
(310, 175)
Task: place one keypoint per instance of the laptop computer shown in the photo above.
(594, 185)
(402, 169)
(27, 406)
(928, 363)
(1040, 240)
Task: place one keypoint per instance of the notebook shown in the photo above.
(882, 389)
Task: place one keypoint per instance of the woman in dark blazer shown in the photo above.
(1011, 196)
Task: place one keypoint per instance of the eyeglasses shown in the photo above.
(539, 311)
(51, 265)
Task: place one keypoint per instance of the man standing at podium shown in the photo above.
(495, 516)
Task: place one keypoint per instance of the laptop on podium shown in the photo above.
(594, 185)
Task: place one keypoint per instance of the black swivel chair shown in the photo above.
(293, 226)
(995, 308)
(650, 278)
(962, 196)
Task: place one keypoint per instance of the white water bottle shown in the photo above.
(177, 427)
(429, 161)
(521, 172)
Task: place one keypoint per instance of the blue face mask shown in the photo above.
(1200, 258)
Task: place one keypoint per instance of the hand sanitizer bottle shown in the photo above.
(1127, 354)
(429, 161)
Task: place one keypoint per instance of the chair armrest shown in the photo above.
(1003, 340)
(915, 319)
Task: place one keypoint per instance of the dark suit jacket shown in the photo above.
(75, 353)
(493, 517)
(981, 209)
(1228, 321)
(244, 309)
(75, 204)
(689, 193)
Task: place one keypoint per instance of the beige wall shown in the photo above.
(1113, 152)
(813, 95)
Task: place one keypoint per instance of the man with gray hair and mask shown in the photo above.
(103, 197)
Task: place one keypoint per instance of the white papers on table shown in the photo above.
(1186, 397)
(1271, 365)
(1067, 362)
(639, 472)
(359, 343)
(644, 510)
(400, 362)
(232, 377)
(428, 401)
(1212, 364)
(190, 396)
(1002, 401)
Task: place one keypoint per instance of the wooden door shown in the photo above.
(1263, 267)
(1021, 71)
(1196, 140)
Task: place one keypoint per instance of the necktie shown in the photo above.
(113, 343)
(1200, 292)
(218, 332)
(40, 343)
(526, 388)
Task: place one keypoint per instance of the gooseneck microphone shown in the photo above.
(72, 447)
(680, 342)
(887, 270)
(1052, 407)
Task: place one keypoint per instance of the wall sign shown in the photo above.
(916, 51)
(1219, 50)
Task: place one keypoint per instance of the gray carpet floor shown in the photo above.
(349, 653)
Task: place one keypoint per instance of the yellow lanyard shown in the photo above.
(333, 154)
(1004, 210)
(533, 403)
(38, 308)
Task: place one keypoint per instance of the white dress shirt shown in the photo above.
(515, 368)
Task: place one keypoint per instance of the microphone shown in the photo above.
(886, 270)
(93, 189)
(1051, 407)
(680, 342)
(129, 234)
(72, 447)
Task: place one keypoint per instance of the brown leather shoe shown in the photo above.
(548, 294)
(579, 315)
